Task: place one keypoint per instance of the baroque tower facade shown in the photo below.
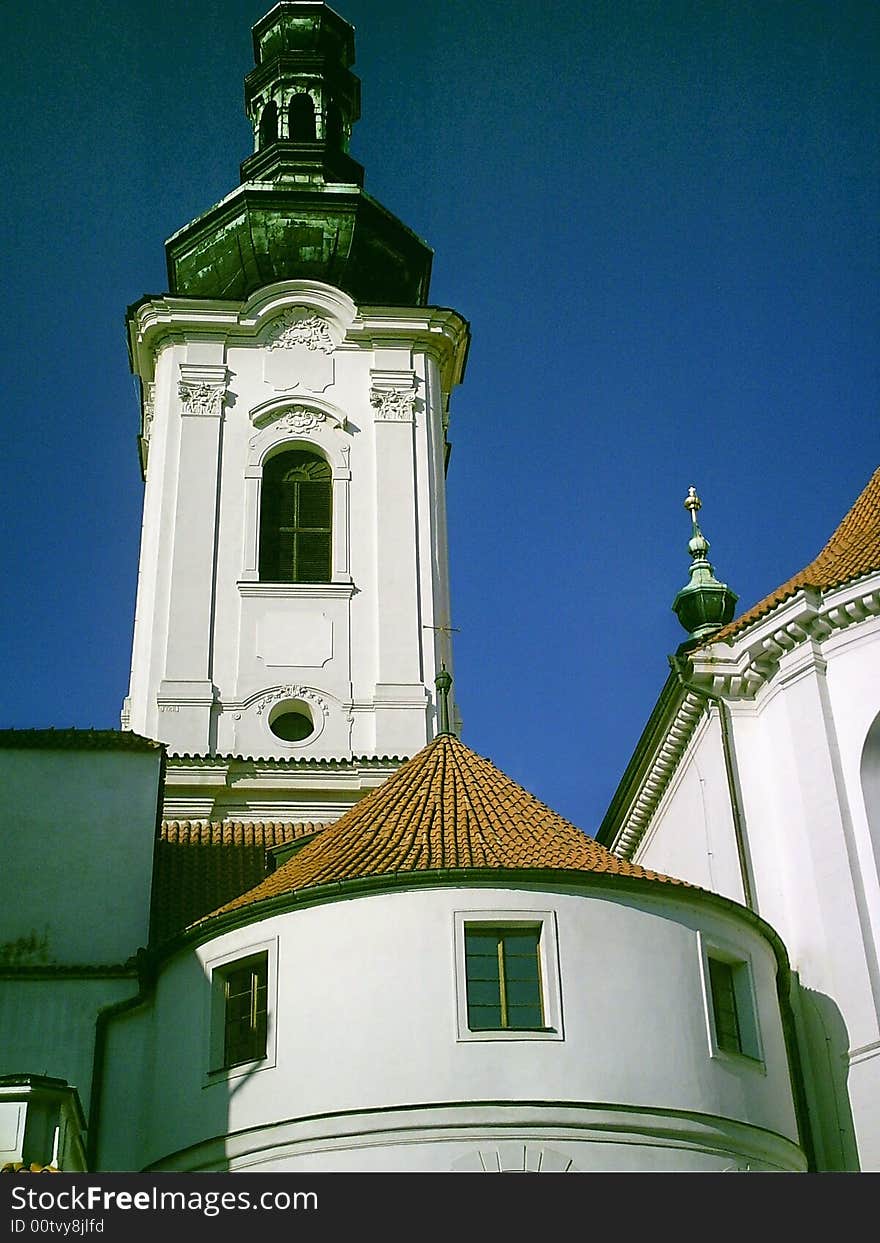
(293, 590)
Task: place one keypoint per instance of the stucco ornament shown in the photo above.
(299, 420)
(298, 326)
(201, 398)
(393, 404)
(149, 408)
(302, 693)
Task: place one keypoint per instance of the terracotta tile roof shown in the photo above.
(77, 740)
(445, 808)
(200, 865)
(852, 551)
(19, 1167)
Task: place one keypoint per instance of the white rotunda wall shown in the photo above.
(371, 1066)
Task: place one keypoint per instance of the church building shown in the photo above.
(285, 919)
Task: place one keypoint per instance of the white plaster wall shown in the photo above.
(365, 1022)
(47, 1026)
(799, 747)
(199, 635)
(78, 832)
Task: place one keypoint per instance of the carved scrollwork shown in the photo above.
(303, 693)
(299, 420)
(299, 326)
(201, 398)
(393, 404)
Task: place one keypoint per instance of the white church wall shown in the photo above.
(799, 746)
(378, 973)
(80, 828)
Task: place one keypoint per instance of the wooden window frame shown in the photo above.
(737, 973)
(270, 534)
(219, 1066)
(494, 921)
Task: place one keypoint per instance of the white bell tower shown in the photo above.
(293, 597)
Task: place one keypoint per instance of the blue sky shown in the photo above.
(660, 219)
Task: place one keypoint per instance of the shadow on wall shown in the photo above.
(824, 1044)
(870, 775)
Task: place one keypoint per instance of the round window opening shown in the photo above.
(292, 724)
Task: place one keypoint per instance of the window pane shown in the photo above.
(523, 992)
(483, 992)
(312, 564)
(245, 1019)
(314, 504)
(724, 1005)
(521, 941)
(482, 967)
(481, 943)
(484, 1018)
(521, 1017)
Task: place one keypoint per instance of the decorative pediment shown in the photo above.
(299, 327)
(298, 418)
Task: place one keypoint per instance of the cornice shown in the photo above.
(741, 666)
(160, 320)
(735, 670)
(659, 752)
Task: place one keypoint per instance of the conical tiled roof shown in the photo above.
(445, 808)
(852, 551)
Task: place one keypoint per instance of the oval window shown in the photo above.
(292, 726)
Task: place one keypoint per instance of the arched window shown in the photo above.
(268, 124)
(295, 519)
(301, 119)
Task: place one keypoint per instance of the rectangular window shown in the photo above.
(506, 980)
(732, 1013)
(503, 973)
(727, 1031)
(245, 991)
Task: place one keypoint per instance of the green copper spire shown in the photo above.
(301, 212)
(705, 604)
(443, 682)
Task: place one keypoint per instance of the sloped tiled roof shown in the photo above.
(852, 551)
(77, 740)
(445, 808)
(201, 864)
(19, 1167)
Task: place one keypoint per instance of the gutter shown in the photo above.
(679, 666)
(146, 969)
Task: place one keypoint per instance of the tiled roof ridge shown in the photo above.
(77, 737)
(445, 809)
(852, 552)
(308, 761)
(228, 825)
(202, 863)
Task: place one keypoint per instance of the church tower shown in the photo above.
(293, 597)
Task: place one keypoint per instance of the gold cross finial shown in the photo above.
(693, 503)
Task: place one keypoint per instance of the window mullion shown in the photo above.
(502, 984)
